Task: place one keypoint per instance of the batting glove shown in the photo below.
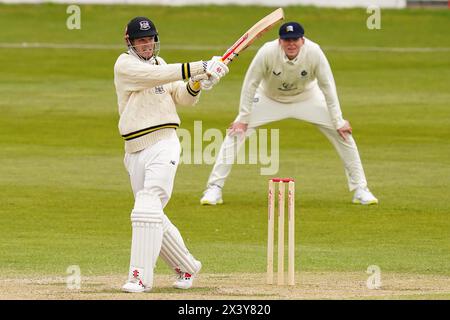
(215, 69)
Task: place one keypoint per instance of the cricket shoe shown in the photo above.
(212, 196)
(135, 286)
(184, 279)
(364, 196)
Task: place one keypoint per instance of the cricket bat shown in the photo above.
(262, 26)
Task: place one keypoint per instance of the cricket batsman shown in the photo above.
(290, 77)
(148, 90)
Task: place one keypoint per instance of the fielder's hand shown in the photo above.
(237, 128)
(215, 70)
(344, 130)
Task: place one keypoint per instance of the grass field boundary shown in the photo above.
(89, 46)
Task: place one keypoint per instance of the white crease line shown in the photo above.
(43, 45)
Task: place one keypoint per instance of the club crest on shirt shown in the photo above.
(159, 90)
(304, 73)
(287, 86)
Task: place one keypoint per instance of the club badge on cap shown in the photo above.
(291, 30)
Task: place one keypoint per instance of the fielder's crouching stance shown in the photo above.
(290, 78)
(147, 91)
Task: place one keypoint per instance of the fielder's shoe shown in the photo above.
(185, 280)
(135, 286)
(364, 196)
(212, 196)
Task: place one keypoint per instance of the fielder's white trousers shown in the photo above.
(312, 109)
(153, 170)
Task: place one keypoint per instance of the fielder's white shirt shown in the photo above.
(289, 81)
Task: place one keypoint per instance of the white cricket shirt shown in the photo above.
(289, 81)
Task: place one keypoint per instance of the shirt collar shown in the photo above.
(287, 60)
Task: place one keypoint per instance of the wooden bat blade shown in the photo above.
(258, 29)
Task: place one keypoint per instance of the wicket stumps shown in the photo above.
(281, 225)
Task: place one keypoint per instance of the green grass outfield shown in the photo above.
(65, 196)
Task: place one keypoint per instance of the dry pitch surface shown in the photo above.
(310, 285)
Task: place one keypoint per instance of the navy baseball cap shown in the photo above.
(291, 30)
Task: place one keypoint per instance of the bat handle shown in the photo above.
(227, 58)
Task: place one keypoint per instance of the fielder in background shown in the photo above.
(147, 91)
(290, 78)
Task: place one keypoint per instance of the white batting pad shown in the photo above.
(146, 221)
(174, 251)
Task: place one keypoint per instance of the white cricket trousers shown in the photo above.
(312, 109)
(153, 170)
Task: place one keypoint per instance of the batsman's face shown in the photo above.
(292, 47)
(144, 46)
